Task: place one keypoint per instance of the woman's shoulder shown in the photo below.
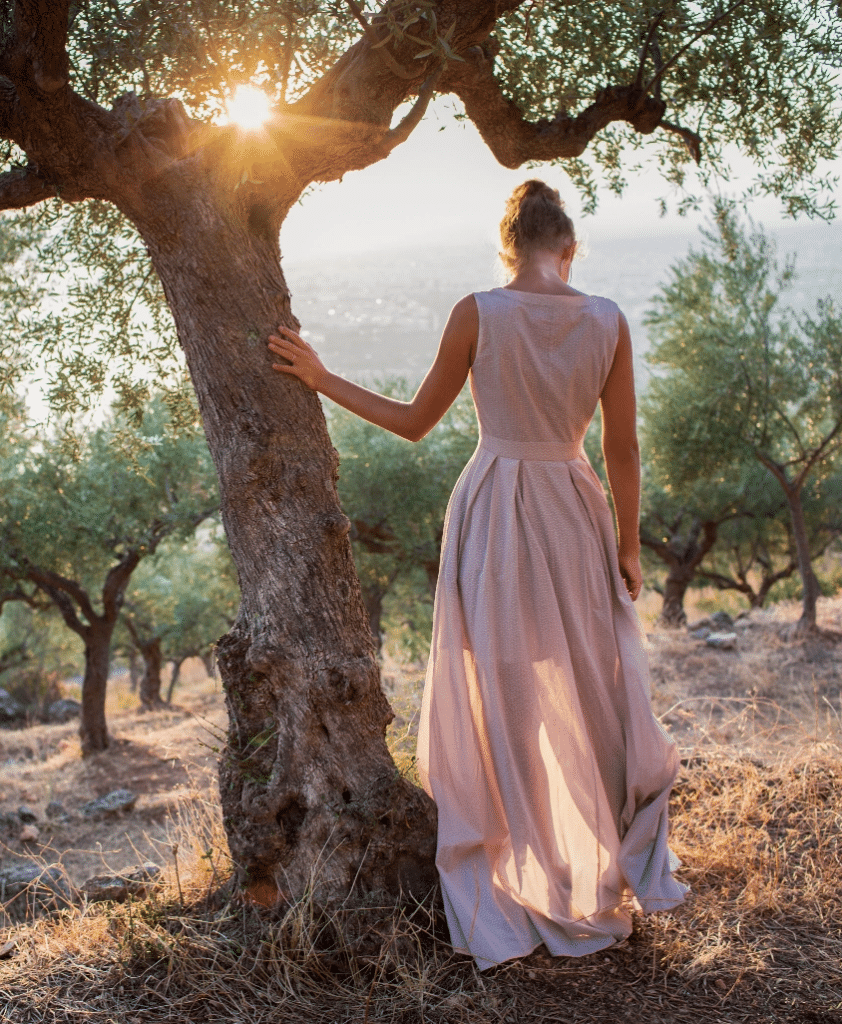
(600, 307)
(601, 304)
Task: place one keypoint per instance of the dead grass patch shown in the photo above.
(759, 939)
(769, 696)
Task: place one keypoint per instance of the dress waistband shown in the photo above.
(533, 451)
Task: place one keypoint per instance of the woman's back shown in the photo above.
(541, 363)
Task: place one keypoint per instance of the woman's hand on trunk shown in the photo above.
(303, 361)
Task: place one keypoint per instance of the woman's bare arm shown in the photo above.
(622, 457)
(434, 397)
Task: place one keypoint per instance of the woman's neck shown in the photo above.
(544, 273)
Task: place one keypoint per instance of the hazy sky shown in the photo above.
(444, 184)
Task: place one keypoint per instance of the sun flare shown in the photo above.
(249, 108)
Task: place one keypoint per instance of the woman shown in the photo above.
(537, 739)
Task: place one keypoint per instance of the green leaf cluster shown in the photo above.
(395, 493)
(186, 595)
(758, 77)
(735, 375)
(77, 501)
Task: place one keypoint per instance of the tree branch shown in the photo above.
(691, 140)
(17, 593)
(23, 186)
(401, 132)
(650, 38)
(662, 550)
(819, 453)
(52, 584)
(514, 141)
(723, 582)
(654, 82)
(115, 584)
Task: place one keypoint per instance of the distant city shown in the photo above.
(381, 313)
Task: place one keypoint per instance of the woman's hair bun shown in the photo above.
(534, 219)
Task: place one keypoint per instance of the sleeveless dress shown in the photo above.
(537, 740)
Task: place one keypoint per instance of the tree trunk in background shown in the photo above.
(809, 581)
(93, 730)
(677, 581)
(150, 684)
(373, 596)
(310, 795)
(134, 671)
(683, 555)
(176, 672)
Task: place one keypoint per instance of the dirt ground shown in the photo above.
(168, 758)
(766, 698)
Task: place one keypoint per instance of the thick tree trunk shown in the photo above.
(93, 730)
(810, 583)
(150, 684)
(311, 797)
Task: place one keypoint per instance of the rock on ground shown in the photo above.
(119, 887)
(10, 709)
(120, 800)
(63, 710)
(27, 889)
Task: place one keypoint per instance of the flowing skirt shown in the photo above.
(537, 739)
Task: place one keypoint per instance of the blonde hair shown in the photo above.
(534, 219)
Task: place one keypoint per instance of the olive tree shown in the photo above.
(114, 103)
(738, 376)
(176, 607)
(757, 549)
(79, 512)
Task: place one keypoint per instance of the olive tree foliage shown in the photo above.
(80, 510)
(107, 110)
(395, 495)
(669, 84)
(738, 377)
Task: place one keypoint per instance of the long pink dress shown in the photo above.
(537, 739)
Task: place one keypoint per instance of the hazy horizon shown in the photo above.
(381, 313)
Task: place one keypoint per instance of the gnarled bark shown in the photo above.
(309, 792)
(150, 683)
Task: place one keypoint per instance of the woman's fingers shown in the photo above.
(303, 362)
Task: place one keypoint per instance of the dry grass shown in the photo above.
(756, 820)
(760, 939)
(770, 696)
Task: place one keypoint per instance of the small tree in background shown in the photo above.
(736, 376)
(680, 536)
(757, 550)
(177, 605)
(79, 512)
